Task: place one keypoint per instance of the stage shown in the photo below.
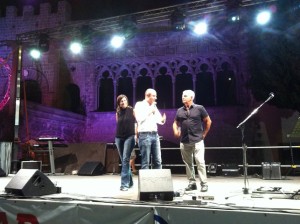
(98, 199)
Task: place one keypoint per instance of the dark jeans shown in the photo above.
(149, 144)
(125, 147)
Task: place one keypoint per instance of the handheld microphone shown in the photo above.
(271, 95)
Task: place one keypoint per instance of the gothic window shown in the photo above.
(143, 82)
(225, 86)
(125, 85)
(204, 87)
(72, 98)
(183, 82)
(164, 88)
(106, 93)
(33, 91)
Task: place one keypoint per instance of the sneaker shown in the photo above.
(204, 188)
(123, 189)
(191, 187)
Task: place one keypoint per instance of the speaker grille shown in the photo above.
(155, 184)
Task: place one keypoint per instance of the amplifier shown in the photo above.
(271, 171)
(37, 165)
(230, 170)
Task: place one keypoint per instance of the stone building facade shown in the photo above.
(85, 86)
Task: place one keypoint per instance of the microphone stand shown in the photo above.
(244, 146)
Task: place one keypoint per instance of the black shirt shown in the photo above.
(190, 121)
(125, 123)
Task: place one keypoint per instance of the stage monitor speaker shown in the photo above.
(30, 182)
(155, 184)
(91, 168)
(2, 173)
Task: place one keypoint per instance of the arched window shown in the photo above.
(106, 93)
(226, 85)
(33, 91)
(164, 88)
(125, 85)
(183, 82)
(204, 87)
(72, 98)
(143, 83)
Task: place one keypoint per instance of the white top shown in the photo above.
(147, 119)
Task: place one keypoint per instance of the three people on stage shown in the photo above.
(191, 125)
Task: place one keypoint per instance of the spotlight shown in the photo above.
(263, 17)
(35, 53)
(200, 28)
(117, 41)
(76, 47)
(235, 18)
(178, 19)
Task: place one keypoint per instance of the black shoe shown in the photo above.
(191, 187)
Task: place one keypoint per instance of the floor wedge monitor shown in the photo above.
(30, 182)
(155, 184)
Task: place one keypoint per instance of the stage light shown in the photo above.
(235, 18)
(233, 10)
(35, 53)
(200, 28)
(117, 41)
(76, 47)
(44, 42)
(129, 27)
(263, 17)
(178, 20)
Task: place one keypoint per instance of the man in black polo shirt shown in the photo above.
(192, 124)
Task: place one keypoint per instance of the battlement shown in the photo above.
(63, 8)
(12, 24)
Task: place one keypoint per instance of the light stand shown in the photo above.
(244, 146)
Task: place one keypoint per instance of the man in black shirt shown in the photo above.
(188, 125)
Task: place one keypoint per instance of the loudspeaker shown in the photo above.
(91, 168)
(36, 165)
(155, 184)
(2, 173)
(271, 171)
(230, 170)
(29, 182)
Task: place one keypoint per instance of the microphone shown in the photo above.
(154, 107)
(271, 95)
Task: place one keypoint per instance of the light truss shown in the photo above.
(156, 17)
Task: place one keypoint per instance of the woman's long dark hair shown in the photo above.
(119, 98)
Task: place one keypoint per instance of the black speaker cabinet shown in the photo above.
(91, 168)
(271, 171)
(36, 165)
(29, 182)
(155, 184)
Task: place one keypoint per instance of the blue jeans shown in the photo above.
(125, 147)
(149, 144)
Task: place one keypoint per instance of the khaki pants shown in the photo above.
(196, 151)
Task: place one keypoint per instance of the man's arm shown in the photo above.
(207, 123)
(176, 130)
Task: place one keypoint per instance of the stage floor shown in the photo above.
(223, 191)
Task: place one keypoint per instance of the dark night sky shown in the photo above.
(94, 9)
